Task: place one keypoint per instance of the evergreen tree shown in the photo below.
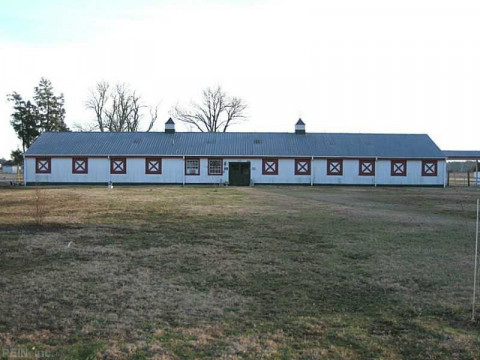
(50, 107)
(24, 120)
(17, 156)
(46, 113)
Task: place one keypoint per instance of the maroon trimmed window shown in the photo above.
(302, 166)
(399, 168)
(118, 165)
(192, 166)
(215, 166)
(270, 166)
(429, 167)
(334, 167)
(366, 167)
(153, 165)
(79, 165)
(43, 165)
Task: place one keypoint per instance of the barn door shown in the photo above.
(239, 173)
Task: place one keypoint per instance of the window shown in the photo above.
(118, 165)
(215, 166)
(43, 165)
(429, 168)
(366, 167)
(334, 167)
(270, 166)
(80, 165)
(399, 168)
(192, 167)
(302, 166)
(153, 165)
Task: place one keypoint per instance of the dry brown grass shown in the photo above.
(170, 273)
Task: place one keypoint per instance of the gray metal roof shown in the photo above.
(236, 144)
(462, 154)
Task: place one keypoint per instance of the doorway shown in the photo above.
(239, 173)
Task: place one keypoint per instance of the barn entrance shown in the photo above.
(239, 173)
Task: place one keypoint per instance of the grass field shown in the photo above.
(264, 272)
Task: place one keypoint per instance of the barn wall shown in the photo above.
(286, 173)
(203, 178)
(383, 174)
(173, 172)
(61, 171)
(350, 174)
(99, 171)
(414, 174)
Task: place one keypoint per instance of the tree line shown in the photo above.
(116, 108)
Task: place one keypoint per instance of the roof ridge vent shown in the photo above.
(170, 126)
(300, 127)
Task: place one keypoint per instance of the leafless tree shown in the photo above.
(118, 108)
(216, 113)
(39, 206)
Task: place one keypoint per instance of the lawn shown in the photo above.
(263, 272)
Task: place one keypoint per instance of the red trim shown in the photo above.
(149, 161)
(338, 169)
(270, 166)
(43, 165)
(397, 165)
(305, 169)
(116, 170)
(221, 166)
(199, 164)
(75, 169)
(366, 167)
(429, 165)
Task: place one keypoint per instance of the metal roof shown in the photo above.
(236, 144)
(462, 154)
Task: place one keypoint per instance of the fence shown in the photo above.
(7, 179)
(463, 178)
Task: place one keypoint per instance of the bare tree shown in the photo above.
(97, 101)
(118, 108)
(216, 113)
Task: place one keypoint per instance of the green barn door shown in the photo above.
(239, 173)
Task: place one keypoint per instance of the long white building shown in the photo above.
(297, 158)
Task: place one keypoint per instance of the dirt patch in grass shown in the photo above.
(411, 207)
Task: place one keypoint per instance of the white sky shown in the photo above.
(343, 66)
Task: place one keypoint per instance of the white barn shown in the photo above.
(10, 167)
(298, 158)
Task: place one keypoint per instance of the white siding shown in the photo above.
(350, 174)
(204, 178)
(99, 172)
(61, 171)
(286, 173)
(173, 172)
(414, 174)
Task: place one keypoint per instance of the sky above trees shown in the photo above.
(343, 66)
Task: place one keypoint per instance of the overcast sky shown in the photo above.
(408, 66)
